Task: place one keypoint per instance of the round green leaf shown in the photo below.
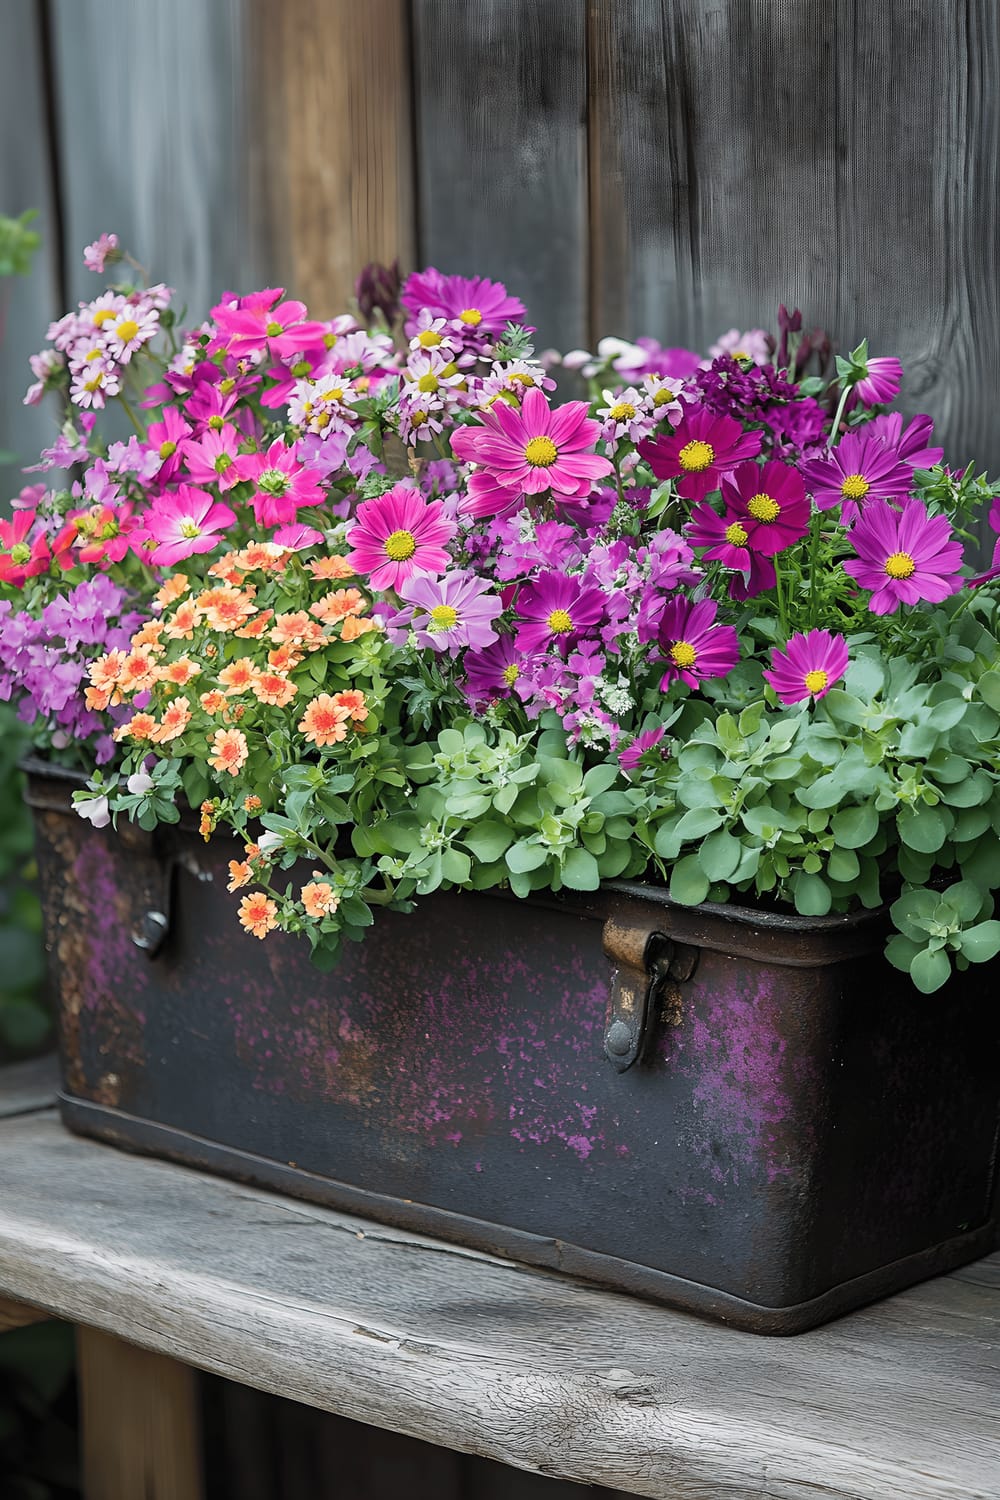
(853, 827)
(812, 896)
(688, 882)
(929, 971)
(720, 854)
(581, 871)
(982, 942)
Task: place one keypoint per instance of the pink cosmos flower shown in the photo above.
(21, 559)
(632, 756)
(881, 382)
(184, 523)
(104, 532)
(692, 645)
(449, 613)
(808, 666)
(859, 469)
(555, 609)
(770, 503)
(262, 321)
(397, 534)
(724, 537)
(904, 556)
(282, 485)
(911, 444)
(102, 250)
(165, 438)
(296, 537)
(752, 345)
(211, 459)
(753, 581)
(475, 304)
(531, 451)
(701, 450)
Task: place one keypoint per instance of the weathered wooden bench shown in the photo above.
(165, 1269)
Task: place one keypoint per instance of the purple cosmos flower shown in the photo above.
(633, 755)
(396, 534)
(880, 383)
(450, 612)
(913, 444)
(554, 610)
(904, 556)
(724, 537)
(770, 503)
(478, 305)
(296, 537)
(647, 357)
(495, 671)
(859, 469)
(758, 577)
(692, 645)
(808, 666)
(185, 523)
(700, 450)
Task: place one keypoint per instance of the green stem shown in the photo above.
(840, 412)
(131, 416)
(815, 526)
(780, 594)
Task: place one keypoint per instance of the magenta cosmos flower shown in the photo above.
(724, 537)
(632, 756)
(530, 451)
(451, 612)
(699, 452)
(692, 645)
(494, 671)
(859, 469)
(880, 383)
(808, 666)
(282, 486)
(770, 503)
(184, 523)
(476, 303)
(397, 534)
(21, 557)
(555, 609)
(904, 556)
(262, 321)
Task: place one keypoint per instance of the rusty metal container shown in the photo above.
(744, 1114)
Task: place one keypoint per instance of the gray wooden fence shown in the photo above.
(664, 166)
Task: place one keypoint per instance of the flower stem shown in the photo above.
(131, 416)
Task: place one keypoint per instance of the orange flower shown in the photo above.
(214, 702)
(149, 636)
(338, 605)
(258, 914)
(252, 851)
(271, 687)
(252, 803)
(209, 816)
(283, 658)
(96, 699)
(324, 721)
(138, 672)
(226, 608)
(229, 750)
(353, 702)
(180, 626)
(353, 627)
(179, 672)
(172, 590)
(256, 627)
(104, 674)
(318, 898)
(291, 627)
(225, 568)
(265, 557)
(333, 566)
(240, 873)
(238, 676)
(139, 727)
(176, 717)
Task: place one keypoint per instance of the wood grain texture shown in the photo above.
(28, 1086)
(894, 1403)
(139, 1423)
(333, 140)
(27, 303)
(18, 1315)
(153, 114)
(842, 158)
(501, 149)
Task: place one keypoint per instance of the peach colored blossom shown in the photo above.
(176, 717)
(353, 627)
(255, 627)
(252, 803)
(333, 566)
(149, 636)
(181, 624)
(318, 898)
(271, 687)
(284, 658)
(179, 672)
(353, 701)
(229, 751)
(214, 702)
(138, 672)
(171, 590)
(238, 676)
(324, 723)
(226, 608)
(240, 874)
(258, 914)
(338, 605)
(140, 727)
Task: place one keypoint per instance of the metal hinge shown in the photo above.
(649, 969)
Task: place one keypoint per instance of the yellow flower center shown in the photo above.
(815, 681)
(511, 673)
(167, 449)
(95, 383)
(855, 487)
(428, 382)
(222, 463)
(683, 654)
(560, 622)
(900, 565)
(624, 411)
(428, 339)
(444, 616)
(763, 507)
(663, 396)
(216, 423)
(127, 330)
(227, 386)
(541, 452)
(740, 354)
(335, 393)
(471, 316)
(418, 418)
(102, 316)
(301, 368)
(736, 535)
(189, 528)
(520, 378)
(329, 339)
(696, 456)
(273, 330)
(94, 354)
(400, 545)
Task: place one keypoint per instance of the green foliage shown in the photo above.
(24, 1022)
(18, 243)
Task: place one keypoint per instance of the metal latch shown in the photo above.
(649, 968)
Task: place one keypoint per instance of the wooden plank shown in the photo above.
(334, 140)
(501, 140)
(18, 1315)
(139, 1430)
(841, 158)
(897, 1402)
(27, 304)
(28, 1086)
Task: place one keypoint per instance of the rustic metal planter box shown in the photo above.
(789, 1132)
